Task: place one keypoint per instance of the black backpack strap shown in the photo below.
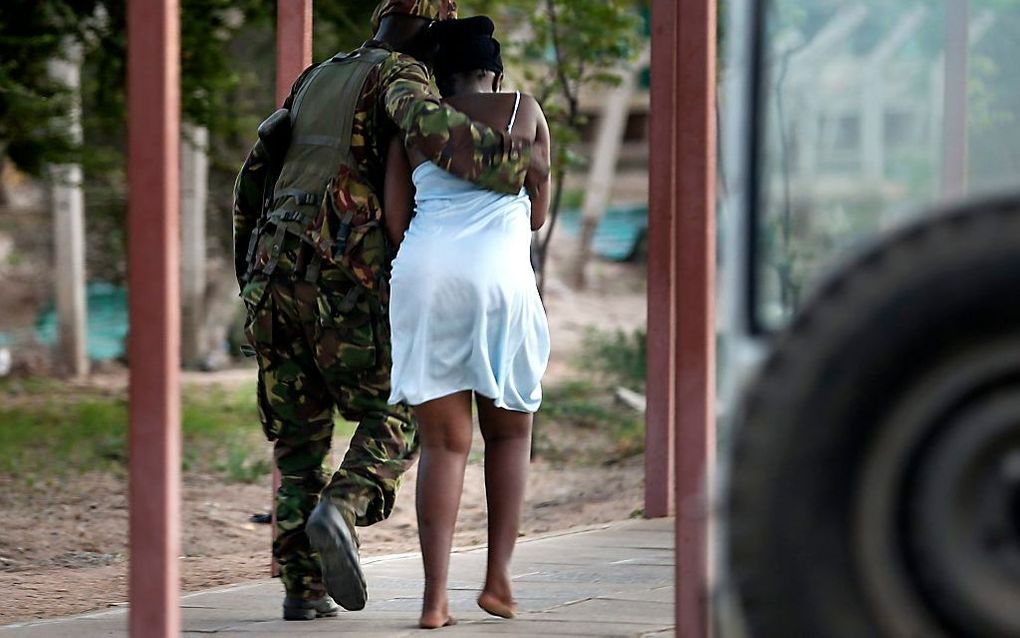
(274, 255)
(312, 270)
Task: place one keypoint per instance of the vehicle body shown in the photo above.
(870, 320)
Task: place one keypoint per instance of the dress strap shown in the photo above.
(513, 117)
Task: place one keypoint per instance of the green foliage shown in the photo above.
(209, 74)
(570, 45)
(609, 359)
(227, 85)
(582, 42)
(993, 86)
(34, 108)
(573, 199)
(575, 402)
(590, 405)
(241, 466)
(806, 227)
(48, 428)
(227, 54)
(340, 26)
(618, 357)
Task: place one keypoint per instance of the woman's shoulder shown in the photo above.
(530, 103)
(530, 111)
(527, 98)
(482, 99)
(527, 101)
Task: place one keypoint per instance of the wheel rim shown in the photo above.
(938, 511)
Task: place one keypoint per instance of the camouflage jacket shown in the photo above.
(397, 98)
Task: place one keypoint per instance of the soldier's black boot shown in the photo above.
(333, 536)
(298, 609)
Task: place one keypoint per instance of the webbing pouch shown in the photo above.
(258, 325)
(322, 122)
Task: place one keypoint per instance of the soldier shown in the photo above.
(312, 257)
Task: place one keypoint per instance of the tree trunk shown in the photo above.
(221, 309)
(554, 213)
(612, 127)
(194, 191)
(68, 204)
(585, 239)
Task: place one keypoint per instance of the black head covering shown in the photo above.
(466, 45)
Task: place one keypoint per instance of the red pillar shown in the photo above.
(293, 43)
(694, 190)
(293, 55)
(154, 341)
(659, 386)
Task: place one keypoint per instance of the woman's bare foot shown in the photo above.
(435, 610)
(504, 607)
(436, 619)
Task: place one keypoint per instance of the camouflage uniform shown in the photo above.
(323, 341)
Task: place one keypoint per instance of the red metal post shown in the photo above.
(694, 190)
(293, 43)
(293, 55)
(661, 411)
(154, 341)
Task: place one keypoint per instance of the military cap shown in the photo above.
(428, 9)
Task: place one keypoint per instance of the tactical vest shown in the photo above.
(321, 123)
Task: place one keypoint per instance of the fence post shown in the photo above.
(69, 229)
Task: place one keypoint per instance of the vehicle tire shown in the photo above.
(874, 484)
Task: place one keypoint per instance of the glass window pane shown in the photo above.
(854, 110)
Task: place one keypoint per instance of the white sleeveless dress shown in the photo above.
(465, 312)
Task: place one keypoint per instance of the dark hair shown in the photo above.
(464, 46)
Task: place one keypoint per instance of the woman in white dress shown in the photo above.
(467, 321)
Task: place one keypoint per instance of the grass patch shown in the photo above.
(576, 402)
(240, 466)
(607, 361)
(619, 358)
(586, 405)
(47, 428)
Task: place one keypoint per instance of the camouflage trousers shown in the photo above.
(323, 348)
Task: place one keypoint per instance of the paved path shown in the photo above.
(611, 580)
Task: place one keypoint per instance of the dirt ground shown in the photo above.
(63, 549)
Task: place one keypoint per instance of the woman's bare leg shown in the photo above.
(507, 437)
(444, 428)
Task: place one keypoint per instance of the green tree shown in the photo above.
(34, 108)
(225, 47)
(567, 46)
(340, 26)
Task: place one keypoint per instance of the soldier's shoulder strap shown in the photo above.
(366, 55)
(370, 54)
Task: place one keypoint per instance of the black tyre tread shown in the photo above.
(758, 454)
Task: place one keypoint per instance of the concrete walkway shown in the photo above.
(611, 580)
